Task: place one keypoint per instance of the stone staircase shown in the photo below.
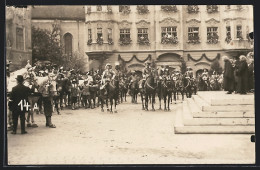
(216, 113)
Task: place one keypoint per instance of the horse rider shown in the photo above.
(107, 75)
(189, 72)
(147, 71)
(118, 73)
(164, 72)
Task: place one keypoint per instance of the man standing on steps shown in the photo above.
(19, 103)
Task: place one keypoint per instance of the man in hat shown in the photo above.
(86, 94)
(74, 93)
(118, 73)
(19, 101)
(107, 74)
(147, 70)
(164, 72)
(189, 72)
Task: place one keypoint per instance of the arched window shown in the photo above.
(68, 43)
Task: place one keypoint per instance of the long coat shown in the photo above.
(251, 84)
(19, 93)
(229, 78)
(243, 77)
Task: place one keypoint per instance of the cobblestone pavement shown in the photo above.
(131, 136)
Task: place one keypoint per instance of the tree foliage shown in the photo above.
(46, 45)
(215, 66)
(183, 66)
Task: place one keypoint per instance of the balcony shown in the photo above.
(237, 44)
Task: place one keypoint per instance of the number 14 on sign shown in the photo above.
(25, 104)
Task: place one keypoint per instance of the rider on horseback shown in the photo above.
(107, 75)
(164, 72)
(189, 72)
(147, 71)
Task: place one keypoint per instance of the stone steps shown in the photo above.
(215, 130)
(200, 115)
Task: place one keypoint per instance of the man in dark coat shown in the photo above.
(251, 82)
(243, 75)
(228, 75)
(18, 97)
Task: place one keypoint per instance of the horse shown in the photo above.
(150, 87)
(109, 93)
(178, 87)
(93, 94)
(187, 86)
(123, 89)
(166, 87)
(142, 92)
(134, 90)
(193, 84)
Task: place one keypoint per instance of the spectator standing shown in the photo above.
(18, 99)
(251, 82)
(242, 75)
(228, 75)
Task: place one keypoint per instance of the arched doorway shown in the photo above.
(68, 43)
(173, 60)
(199, 72)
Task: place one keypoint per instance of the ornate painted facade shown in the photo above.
(199, 34)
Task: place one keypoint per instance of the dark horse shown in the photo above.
(123, 89)
(178, 87)
(165, 88)
(187, 86)
(150, 90)
(134, 90)
(110, 93)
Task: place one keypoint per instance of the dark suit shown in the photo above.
(19, 93)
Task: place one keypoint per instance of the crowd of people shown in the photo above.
(52, 87)
(238, 75)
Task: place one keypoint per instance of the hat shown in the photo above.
(19, 78)
(108, 64)
(116, 63)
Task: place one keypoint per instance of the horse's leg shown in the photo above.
(174, 96)
(153, 100)
(115, 107)
(164, 99)
(107, 104)
(169, 98)
(160, 101)
(146, 102)
(142, 101)
(111, 105)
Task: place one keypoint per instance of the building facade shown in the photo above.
(199, 34)
(18, 36)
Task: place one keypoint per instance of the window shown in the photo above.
(142, 32)
(19, 39)
(124, 8)
(99, 8)
(169, 32)
(89, 34)
(212, 32)
(109, 33)
(193, 33)
(68, 43)
(228, 31)
(99, 33)
(239, 31)
(124, 33)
